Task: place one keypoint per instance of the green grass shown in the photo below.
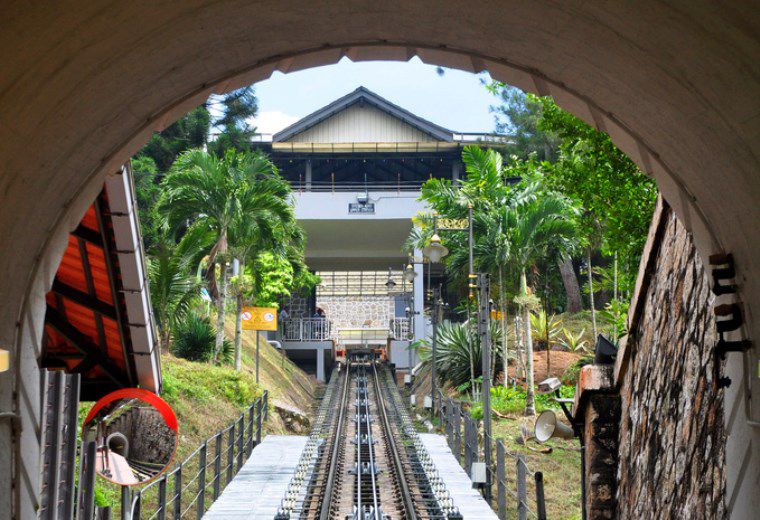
(208, 398)
(561, 468)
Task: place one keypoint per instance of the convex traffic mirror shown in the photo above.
(135, 436)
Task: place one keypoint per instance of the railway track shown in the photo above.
(364, 460)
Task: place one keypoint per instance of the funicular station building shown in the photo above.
(356, 167)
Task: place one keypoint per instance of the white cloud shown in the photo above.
(272, 121)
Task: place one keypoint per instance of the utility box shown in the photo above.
(478, 473)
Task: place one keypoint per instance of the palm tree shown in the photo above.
(266, 221)
(205, 189)
(538, 221)
(173, 287)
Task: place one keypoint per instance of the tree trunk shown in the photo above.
(591, 295)
(165, 335)
(519, 347)
(548, 346)
(530, 405)
(220, 305)
(238, 331)
(504, 331)
(572, 288)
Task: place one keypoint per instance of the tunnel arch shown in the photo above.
(96, 81)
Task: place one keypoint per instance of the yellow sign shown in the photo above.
(5, 361)
(259, 318)
(453, 223)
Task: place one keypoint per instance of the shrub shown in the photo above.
(453, 351)
(571, 373)
(194, 338)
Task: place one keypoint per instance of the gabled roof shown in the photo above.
(363, 95)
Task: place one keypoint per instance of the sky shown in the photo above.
(456, 100)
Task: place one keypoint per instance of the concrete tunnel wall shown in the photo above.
(84, 85)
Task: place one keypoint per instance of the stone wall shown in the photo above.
(354, 311)
(672, 443)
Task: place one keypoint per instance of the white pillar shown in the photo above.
(321, 364)
(456, 170)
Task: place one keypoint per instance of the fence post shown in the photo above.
(540, 503)
(266, 405)
(458, 432)
(501, 477)
(249, 444)
(522, 494)
(467, 451)
(161, 498)
(259, 416)
(231, 453)
(126, 503)
(240, 442)
(137, 507)
(202, 481)
(178, 493)
(217, 464)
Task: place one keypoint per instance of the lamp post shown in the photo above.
(484, 333)
(434, 251)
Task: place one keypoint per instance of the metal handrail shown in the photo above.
(468, 448)
(306, 329)
(233, 443)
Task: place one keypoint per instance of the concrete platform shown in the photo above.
(468, 500)
(256, 491)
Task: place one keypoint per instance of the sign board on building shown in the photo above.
(368, 208)
(453, 223)
(259, 318)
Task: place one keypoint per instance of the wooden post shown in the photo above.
(202, 482)
(522, 492)
(259, 417)
(126, 503)
(231, 453)
(161, 498)
(249, 443)
(501, 477)
(540, 501)
(458, 433)
(178, 493)
(240, 448)
(217, 464)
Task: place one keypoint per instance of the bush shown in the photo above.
(453, 352)
(194, 338)
(571, 373)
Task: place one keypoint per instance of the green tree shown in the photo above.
(519, 116)
(617, 198)
(265, 221)
(206, 190)
(173, 286)
(190, 131)
(232, 128)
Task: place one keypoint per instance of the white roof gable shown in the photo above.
(362, 123)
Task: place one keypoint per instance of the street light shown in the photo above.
(409, 273)
(435, 250)
(390, 284)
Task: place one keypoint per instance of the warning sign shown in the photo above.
(259, 318)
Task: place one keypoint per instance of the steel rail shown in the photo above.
(324, 513)
(406, 495)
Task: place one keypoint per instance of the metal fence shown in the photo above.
(506, 490)
(306, 329)
(188, 490)
(400, 327)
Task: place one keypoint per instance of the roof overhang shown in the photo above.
(98, 320)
